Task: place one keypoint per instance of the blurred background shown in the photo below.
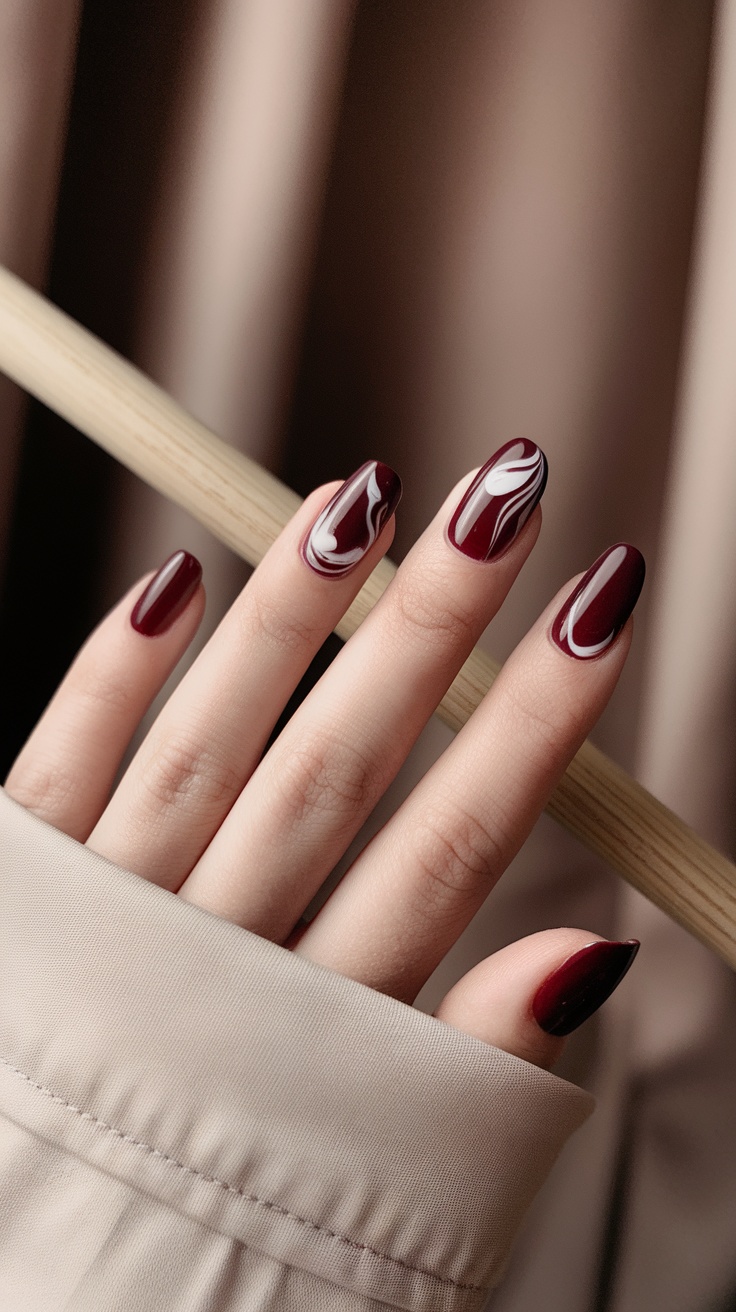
(413, 231)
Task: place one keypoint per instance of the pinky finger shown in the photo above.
(66, 769)
(528, 996)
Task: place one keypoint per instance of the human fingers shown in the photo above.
(337, 755)
(66, 769)
(528, 996)
(209, 736)
(411, 892)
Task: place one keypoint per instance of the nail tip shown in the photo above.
(635, 561)
(394, 489)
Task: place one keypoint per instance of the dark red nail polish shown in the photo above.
(499, 501)
(597, 609)
(167, 594)
(581, 985)
(350, 523)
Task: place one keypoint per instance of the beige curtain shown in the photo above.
(415, 230)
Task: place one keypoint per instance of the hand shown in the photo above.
(252, 837)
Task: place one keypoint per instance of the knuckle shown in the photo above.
(331, 776)
(551, 722)
(457, 856)
(182, 772)
(44, 788)
(103, 690)
(431, 612)
(279, 626)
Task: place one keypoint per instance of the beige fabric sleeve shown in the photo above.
(194, 1119)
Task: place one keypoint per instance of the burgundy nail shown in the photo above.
(581, 985)
(499, 501)
(167, 594)
(352, 520)
(597, 609)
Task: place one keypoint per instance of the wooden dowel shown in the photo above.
(104, 396)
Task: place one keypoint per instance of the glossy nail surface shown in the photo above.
(581, 985)
(597, 609)
(350, 523)
(499, 501)
(167, 594)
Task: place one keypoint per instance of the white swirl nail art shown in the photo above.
(597, 609)
(582, 603)
(322, 549)
(518, 478)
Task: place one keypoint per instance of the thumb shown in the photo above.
(527, 996)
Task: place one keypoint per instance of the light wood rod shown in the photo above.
(91, 386)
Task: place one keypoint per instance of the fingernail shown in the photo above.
(167, 594)
(597, 609)
(499, 501)
(350, 523)
(581, 985)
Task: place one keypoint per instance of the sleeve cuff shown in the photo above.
(265, 1098)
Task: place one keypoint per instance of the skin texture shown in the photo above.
(203, 812)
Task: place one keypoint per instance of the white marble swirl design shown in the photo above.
(588, 595)
(520, 476)
(321, 549)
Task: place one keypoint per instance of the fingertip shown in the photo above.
(527, 997)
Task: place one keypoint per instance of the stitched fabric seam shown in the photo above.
(231, 1188)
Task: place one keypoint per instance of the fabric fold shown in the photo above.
(242, 1096)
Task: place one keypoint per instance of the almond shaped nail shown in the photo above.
(599, 606)
(581, 985)
(167, 595)
(499, 501)
(352, 521)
